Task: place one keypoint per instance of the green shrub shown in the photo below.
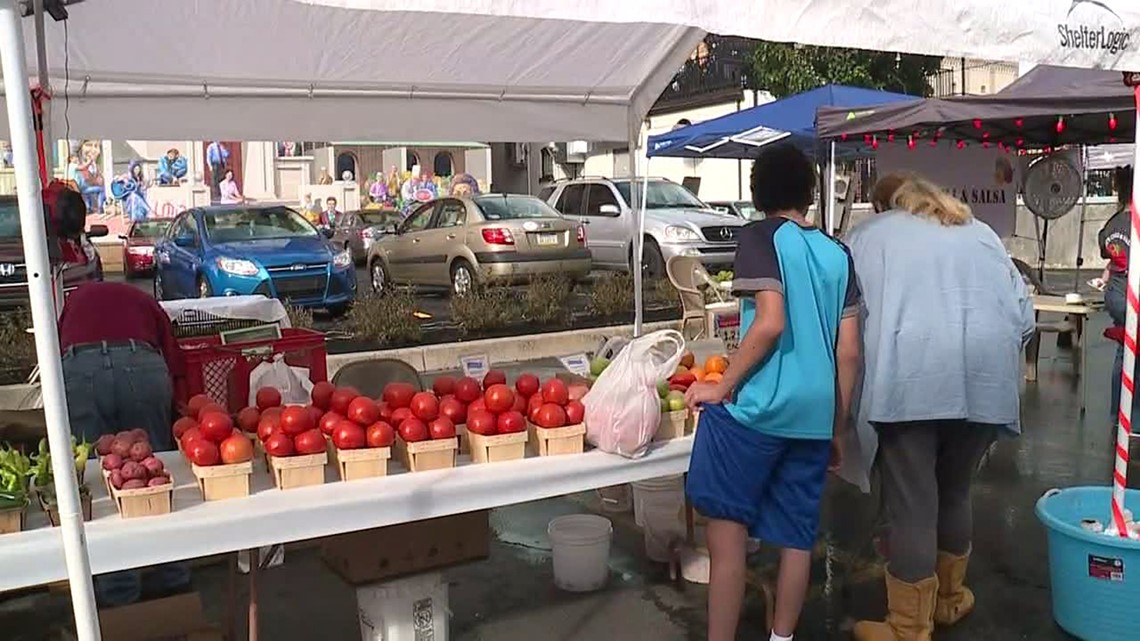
(387, 319)
(660, 293)
(548, 300)
(485, 309)
(299, 317)
(612, 295)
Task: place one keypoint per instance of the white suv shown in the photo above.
(676, 223)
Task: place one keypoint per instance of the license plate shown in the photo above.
(548, 239)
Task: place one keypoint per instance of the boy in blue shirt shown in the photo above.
(771, 427)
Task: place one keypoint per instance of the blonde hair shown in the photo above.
(921, 197)
(884, 190)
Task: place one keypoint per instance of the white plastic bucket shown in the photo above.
(408, 609)
(658, 508)
(616, 499)
(581, 546)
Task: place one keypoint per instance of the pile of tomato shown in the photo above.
(207, 437)
(420, 416)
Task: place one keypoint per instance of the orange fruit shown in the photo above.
(716, 364)
(688, 360)
(713, 377)
(698, 372)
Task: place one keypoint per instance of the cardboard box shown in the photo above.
(397, 550)
(176, 618)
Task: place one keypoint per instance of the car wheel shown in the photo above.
(204, 290)
(336, 311)
(652, 262)
(379, 277)
(462, 278)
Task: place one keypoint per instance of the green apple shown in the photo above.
(664, 406)
(676, 401)
(663, 389)
(599, 365)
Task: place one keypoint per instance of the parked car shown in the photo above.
(740, 208)
(460, 243)
(138, 246)
(356, 231)
(237, 249)
(677, 223)
(13, 271)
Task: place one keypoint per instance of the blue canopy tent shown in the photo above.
(739, 134)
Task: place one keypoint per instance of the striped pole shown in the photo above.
(1124, 421)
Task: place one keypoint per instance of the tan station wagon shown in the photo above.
(459, 243)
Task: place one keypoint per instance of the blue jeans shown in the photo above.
(123, 588)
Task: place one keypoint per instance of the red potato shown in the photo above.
(499, 398)
(116, 479)
(159, 481)
(510, 423)
(443, 385)
(453, 409)
(215, 426)
(267, 397)
(279, 444)
(139, 434)
(154, 466)
(550, 415)
(341, 398)
(413, 430)
(295, 420)
(555, 391)
(309, 442)
(425, 406)
(122, 447)
(132, 470)
(380, 434)
(133, 484)
(441, 428)
(363, 411)
(248, 418)
(575, 412)
(494, 377)
(329, 422)
(482, 422)
(467, 390)
(527, 385)
(112, 462)
(349, 436)
(140, 451)
(322, 394)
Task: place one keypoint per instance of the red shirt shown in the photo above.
(117, 312)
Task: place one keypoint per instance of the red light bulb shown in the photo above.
(977, 123)
(933, 143)
(985, 135)
(1020, 142)
(1060, 124)
(1112, 122)
(961, 144)
(867, 139)
(843, 137)
(1019, 123)
(891, 136)
(875, 142)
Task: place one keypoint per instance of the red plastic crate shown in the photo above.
(222, 371)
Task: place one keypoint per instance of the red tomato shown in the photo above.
(380, 434)
(413, 430)
(578, 391)
(527, 385)
(477, 406)
(296, 419)
(532, 408)
(309, 442)
(385, 412)
(329, 422)
(236, 449)
(520, 403)
(467, 389)
(248, 418)
(267, 397)
(441, 428)
(268, 426)
(275, 412)
(280, 444)
(454, 410)
(425, 406)
(315, 414)
(401, 415)
(363, 411)
(443, 385)
(190, 435)
(398, 395)
(341, 398)
(499, 398)
(216, 426)
(482, 422)
(183, 424)
(195, 404)
(211, 408)
(349, 436)
(575, 412)
(202, 453)
(550, 415)
(494, 377)
(555, 391)
(322, 394)
(510, 422)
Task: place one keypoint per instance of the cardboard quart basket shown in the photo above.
(673, 425)
(363, 463)
(553, 441)
(498, 447)
(302, 470)
(461, 434)
(12, 518)
(145, 501)
(421, 456)
(219, 482)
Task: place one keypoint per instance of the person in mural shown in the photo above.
(378, 189)
(464, 185)
(228, 191)
(217, 156)
(325, 178)
(310, 209)
(172, 168)
(90, 178)
(330, 215)
(130, 190)
(72, 175)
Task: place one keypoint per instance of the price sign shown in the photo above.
(475, 366)
(576, 364)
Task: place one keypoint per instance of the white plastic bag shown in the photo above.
(292, 382)
(623, 409)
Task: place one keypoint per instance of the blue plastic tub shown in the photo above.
(1095, 577)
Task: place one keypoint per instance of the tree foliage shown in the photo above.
(784, 69)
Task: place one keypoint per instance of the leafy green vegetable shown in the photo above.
(15, 472)
(41, 472)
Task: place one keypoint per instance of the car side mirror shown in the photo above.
(122, 236)
(97, 231)
(328, 232)
(184, 240)
(609, 210)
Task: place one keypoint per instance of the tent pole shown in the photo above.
(638, 221)
(831, 189)
(45, 84)
(1081, 223)
(34, 235)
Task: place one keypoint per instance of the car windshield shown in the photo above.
(662, 195)
(149, 229)
(509, 207)
(263, 223)
(748, 211)
(9, 219)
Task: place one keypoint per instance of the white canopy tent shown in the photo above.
(492, 70)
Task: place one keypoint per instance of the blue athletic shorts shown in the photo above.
(771, 485)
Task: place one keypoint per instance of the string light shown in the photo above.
(1020, 142)
(961, 144)
(985, 145)
(866, 139)
(977, 123)
(875, 142)
(910, 142)
(843, 137)
(985, 135)
(1112, 139)
(1112, 122)
(1060, 124)
(1048, 150)
(1019, 123)
(890, 136)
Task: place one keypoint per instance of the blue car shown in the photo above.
(239, 249)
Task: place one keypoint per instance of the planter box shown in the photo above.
(146, 501)
(557, 440)
(53, 512)
(12, 519)
(500, 447)
(363, 463)
(427, 455)
(218, 482)
(291, 472)
(673, 425)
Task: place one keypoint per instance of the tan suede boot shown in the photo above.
(955, 600)
(910, 613)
